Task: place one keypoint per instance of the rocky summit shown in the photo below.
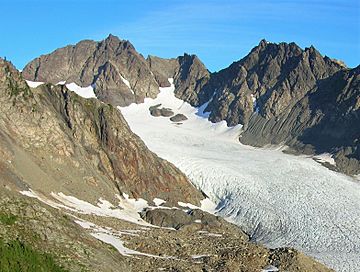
(118, 71)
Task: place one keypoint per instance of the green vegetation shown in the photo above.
(7, 219)
(14, 88)
(18, 257)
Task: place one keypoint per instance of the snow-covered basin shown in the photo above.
(279, 199)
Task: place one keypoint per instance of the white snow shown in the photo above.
(187, 205)
(29, 193)
(325, 157)
(199, 256)
(85, 92)
(208, 206)
(112, 237)
(279, 199)
(255, 106)
(126, 210)
(209, 233)
(131, 203)
(270, 268)
(158, 201)
(127, 83)
(33, 84)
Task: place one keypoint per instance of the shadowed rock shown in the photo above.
(178, 118)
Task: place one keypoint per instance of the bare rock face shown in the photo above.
(119, 73)
(269, 80)
(52, 128)
(189, 74)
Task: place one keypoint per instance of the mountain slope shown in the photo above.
(86, 142)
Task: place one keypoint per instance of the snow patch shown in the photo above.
(255, 105)
(270, 268)
(127, 83)
(199, 256)
(112, 237)
(33, 84)
(127, 209)
(136, 204)
(158, 201)
(29, 193)
(187, 205)
(85, 92)
(325, 157)
(208, 206)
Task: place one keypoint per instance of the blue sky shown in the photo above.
(219, 32)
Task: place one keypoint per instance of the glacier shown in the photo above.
(278, 199)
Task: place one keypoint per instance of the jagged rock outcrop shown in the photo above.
(189, 73)
(119, 73)
(87, 143)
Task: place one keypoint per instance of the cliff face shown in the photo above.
(119, 73)
(87, 143)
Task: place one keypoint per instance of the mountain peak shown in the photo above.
(112, 37)
(263, 43)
